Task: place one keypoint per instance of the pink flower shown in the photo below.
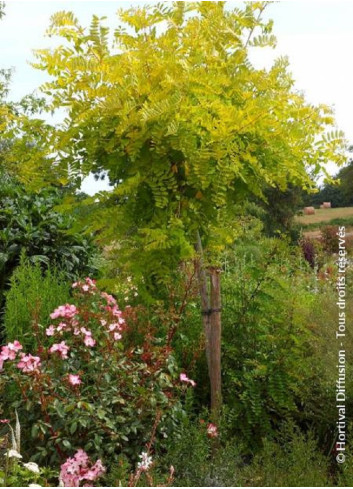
(86, 332)
(10, 351)
(79, 469)
(28, 363)
(117, 336)
(85, 288)
(116, 311)
(96, 471)
(109, 298)
(184, 378)
(61, 326)
(4, 421)
(212, 430)
(81, 457)
(50, 331)
(89, 341)
(65, 311)
(61, 348)
(16, 345)
(91, 283)
(74, 379)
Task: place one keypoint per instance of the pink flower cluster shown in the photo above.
(28, 363)
(88, 285)
(116, 327)
(71, 325)
(184, 378)
(109, 298)
(66, 311)
(79, 469)
(212, 430)
(9, 352)
(88, 340)
(60, 348)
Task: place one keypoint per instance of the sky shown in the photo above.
(316, 35)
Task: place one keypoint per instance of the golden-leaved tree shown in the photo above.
(172, 110)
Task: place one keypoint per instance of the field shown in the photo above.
(326, 215)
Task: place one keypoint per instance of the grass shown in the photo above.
(336, 216)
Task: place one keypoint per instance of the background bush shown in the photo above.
(32, 296)
(291, 460)
(30, 224)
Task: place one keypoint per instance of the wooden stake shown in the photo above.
(215, 343)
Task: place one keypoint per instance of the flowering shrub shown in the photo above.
(84, 389)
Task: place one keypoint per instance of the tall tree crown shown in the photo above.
(179, 119)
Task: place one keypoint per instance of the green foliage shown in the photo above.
(265, 336)
(32, 296)
(181, 123)
(206, 465)
(15, 474)
(320, 361)
(30, 224)
(345, 474)
(14, 471)
(294, 460)
(279, 360)
(280, 209)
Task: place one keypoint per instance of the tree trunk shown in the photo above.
(215, 343)
(211, 319)
(205, 301)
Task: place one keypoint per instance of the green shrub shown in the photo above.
(33, 295)
(200, 461)
(31, 224)
(294, 460)
(317, 392)
(345, 472)
(267, 291)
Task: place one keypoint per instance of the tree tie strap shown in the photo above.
(208, 312)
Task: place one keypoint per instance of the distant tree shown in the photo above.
(340, 194)
(280, 207)
(346, 178)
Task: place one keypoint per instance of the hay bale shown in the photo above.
(327, 205)
(322, 206)
(308, 211)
